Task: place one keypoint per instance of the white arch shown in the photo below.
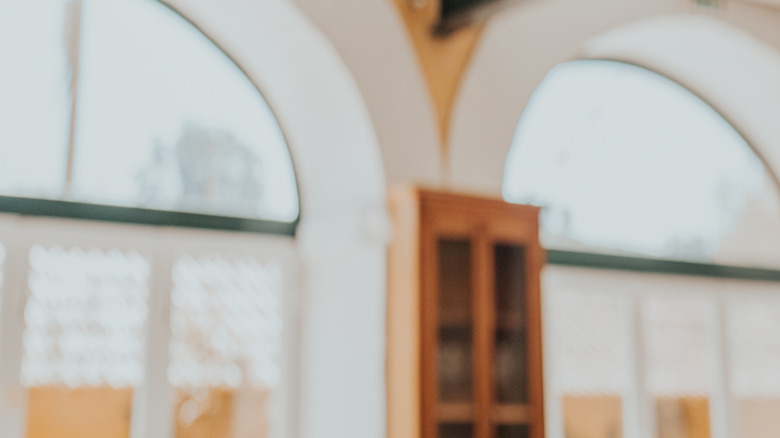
(735, 73)
(725, 66)
(374, 43)
(341, 236)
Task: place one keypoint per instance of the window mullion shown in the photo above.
(13, 397)
(721, 405)
(286, 407)
(638, 411)
(153, 402)
(73, 26)
(553, 400)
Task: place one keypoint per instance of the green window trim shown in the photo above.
(141, 216)
(659, 266)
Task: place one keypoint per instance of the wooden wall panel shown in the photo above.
(593, 416)
(55, 412)
(683, 417)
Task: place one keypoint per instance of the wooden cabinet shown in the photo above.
(464, 318)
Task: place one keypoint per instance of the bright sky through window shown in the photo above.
(626, 161)
(165, 120)
(33, 98)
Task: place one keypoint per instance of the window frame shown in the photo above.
(638, 276)
(638, 414)
(157, 235)
(142, 216)
(642, 262)
(65, 208)
(153, 400)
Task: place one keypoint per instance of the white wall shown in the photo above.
(341, 237)
(736, 73)
(354, 107)
(373, 42)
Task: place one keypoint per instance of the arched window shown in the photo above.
(661, 307)
(123, 111)
(628, 162)
(124, 103)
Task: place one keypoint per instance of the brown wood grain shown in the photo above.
(511, 414)
(422, 218)
(484, 318)
(535, 365)
(455, 412)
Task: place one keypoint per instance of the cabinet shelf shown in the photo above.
(455, 412)
(511, 414)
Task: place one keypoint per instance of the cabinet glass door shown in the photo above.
(513, 431)
(455, 409)
(510, 410)
(511, 360)
(455, 430)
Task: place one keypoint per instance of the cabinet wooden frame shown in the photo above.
(423, 218)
